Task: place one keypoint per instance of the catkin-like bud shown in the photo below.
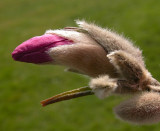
(143, 108)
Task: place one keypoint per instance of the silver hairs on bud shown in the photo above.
(141, 109)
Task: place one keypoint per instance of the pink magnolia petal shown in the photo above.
(34, 49)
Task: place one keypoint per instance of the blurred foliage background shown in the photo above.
(23, 86)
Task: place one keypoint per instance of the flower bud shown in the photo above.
(143, 108)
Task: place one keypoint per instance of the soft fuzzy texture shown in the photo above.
(109, 40)
(103, 86)
(128, 66)
(143, 108)
(85, 56)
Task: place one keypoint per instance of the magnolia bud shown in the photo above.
(143, 108)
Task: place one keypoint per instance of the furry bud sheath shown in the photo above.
(143, 108)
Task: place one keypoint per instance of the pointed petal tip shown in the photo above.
(35, 49)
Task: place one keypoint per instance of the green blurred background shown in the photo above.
(23, 86)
